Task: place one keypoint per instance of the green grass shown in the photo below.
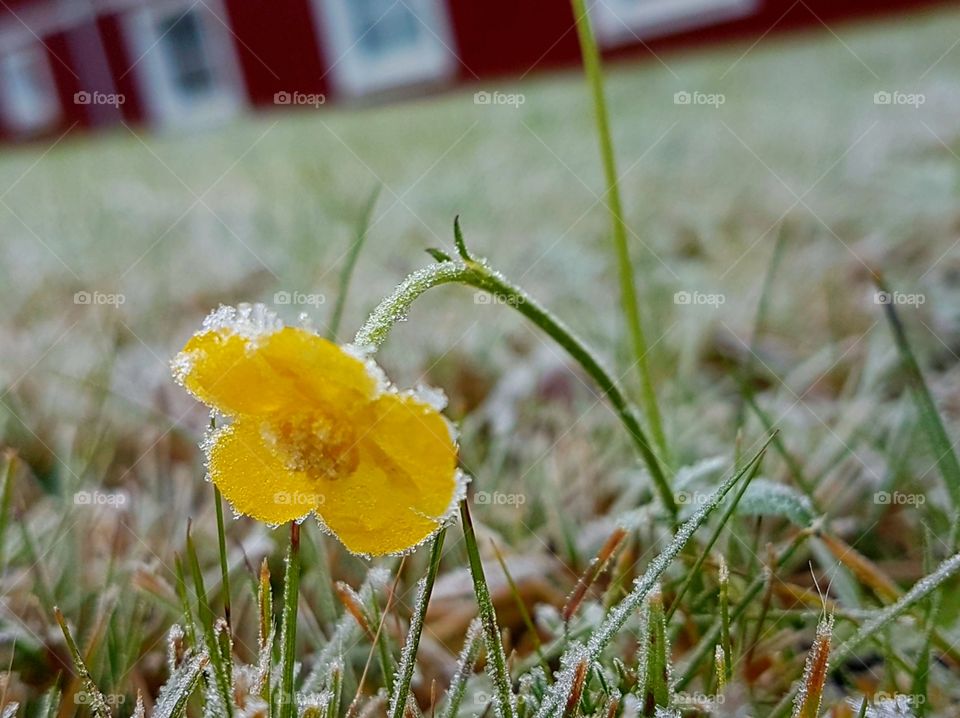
(88, 404)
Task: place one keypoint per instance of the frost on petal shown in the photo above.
(250, 321)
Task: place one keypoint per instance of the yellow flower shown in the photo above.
(315, 428)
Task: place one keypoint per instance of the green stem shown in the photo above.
(224, 570)
(288, 641)
(488, 617)
(628, 292)
(477, 274)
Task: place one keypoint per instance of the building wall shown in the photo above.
(499, 37)
(278, 47)
(121, 63)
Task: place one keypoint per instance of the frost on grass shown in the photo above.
(642, 586)
(767, 498)
(921, 589)
(345, 632)
(176, 691)
(643, 649)
(465, 663)
(408, 655)
(176, 647)
(806, 703)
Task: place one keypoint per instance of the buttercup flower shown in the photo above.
(316, 428)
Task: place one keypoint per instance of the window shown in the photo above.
(375, 45)
(182, 40)
(625, 21)
(382, 26)
(29, 101)
(186, 63)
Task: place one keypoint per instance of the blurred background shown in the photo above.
(160, 158)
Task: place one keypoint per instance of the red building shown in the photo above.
(93, 63)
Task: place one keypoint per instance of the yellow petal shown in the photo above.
(278, 371)
(404, 484)
(254, 479)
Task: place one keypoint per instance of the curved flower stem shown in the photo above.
(476, 273)
(628, 292)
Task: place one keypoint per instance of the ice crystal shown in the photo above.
(250, 321)
(176, 647)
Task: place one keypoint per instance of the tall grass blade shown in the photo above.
(346, 274)
(287, 703)
(222, 669)
(93, 698)
(401, 688)
(222, 545)
(6, 501)
(465, 663)
(505, 702)
(628, 292)
(946, 458)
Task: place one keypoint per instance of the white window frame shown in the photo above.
(431, 60)
(617, 23)
(165, 104)
(39, 109)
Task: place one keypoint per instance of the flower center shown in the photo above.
(314, 443)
